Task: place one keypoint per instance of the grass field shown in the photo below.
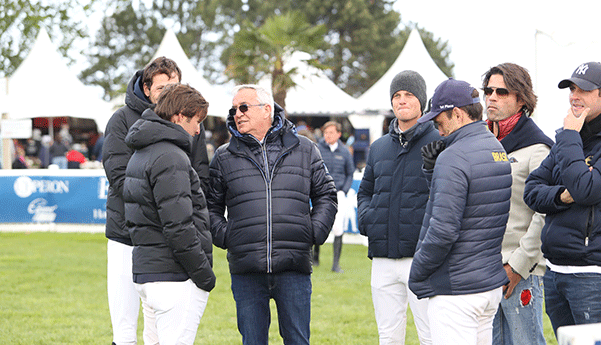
(53, 291)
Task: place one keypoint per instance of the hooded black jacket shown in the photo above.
(165, 209)
(116, 154)
(268, 189)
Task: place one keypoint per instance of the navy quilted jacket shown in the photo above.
(279, 197)
(572, 232)
(459, 250)
(393, 193)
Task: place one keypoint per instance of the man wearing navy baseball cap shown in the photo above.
(566, 188)
(458, 263)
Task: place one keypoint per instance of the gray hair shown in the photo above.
(264, 96)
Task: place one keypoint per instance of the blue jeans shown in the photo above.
(572, 299)
(292, 294)
(519, 319)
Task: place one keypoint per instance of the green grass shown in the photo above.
(53, 291)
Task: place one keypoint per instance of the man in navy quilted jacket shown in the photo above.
(458, 263)
(566, 188)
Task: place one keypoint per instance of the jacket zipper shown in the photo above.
(268, 204)
(267, 179)
(589, 225)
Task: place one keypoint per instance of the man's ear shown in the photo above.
(458, 113)
(269, 106)
(146, 90)
(176, 118)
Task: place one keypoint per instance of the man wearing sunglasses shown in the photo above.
(391, 202)
(566, 187)
(457, 263)
(280, 200)
(510, 100)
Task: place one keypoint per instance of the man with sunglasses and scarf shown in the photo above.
(566, 187)
(280, 200)
(510, 100)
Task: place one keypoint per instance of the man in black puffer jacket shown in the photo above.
(166, 215)
(280, 200)
(142, 93)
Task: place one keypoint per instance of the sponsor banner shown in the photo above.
(53, 197)
(79, 197)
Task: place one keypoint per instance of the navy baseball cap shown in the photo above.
(586, 76)
(449, 94)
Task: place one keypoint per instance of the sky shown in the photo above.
(549, 38)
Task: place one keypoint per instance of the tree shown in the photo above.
(128, 37)
(362, 38)
(20, 22)
(256, 53)
(439, 50)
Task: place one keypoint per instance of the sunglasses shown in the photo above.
(243, 108)
(501, 92)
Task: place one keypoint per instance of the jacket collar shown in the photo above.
(525, 133)
(281, 129)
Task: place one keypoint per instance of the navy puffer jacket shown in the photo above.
(459, 251)
(268, 189)
(572, 232)
(339, 163)
(165, 208)
(393, 193)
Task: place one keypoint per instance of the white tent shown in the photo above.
(219, 98)
(314, 93)
(43, 86)
(414, 56)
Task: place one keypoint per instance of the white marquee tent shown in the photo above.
(44, 86)
(219, 97)
(414, 56)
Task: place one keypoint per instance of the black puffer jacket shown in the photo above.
(115, 155)
(268, 190)
(165, 208)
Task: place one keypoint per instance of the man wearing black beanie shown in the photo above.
(391, 204)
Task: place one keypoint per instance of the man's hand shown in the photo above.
(514, 279)
(575, 121)
(566, 197)
(430, 152)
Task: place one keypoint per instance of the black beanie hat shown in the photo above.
(410, 81)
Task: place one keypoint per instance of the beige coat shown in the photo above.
(521, 246)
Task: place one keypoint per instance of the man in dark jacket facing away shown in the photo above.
(142, 93)
(339, 162)
(391, 203)
(566, 187)
(458, 263)
(280, 201)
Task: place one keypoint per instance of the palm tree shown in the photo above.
(260, 52)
